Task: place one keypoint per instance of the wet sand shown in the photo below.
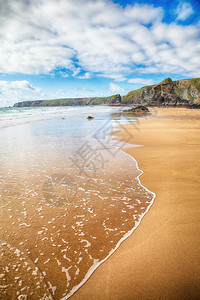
(62, 208)
(160, 260)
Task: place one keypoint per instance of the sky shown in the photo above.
(86, 48)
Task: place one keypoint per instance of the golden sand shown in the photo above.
(161, 258)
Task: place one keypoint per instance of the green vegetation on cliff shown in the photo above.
(115, 99)
(112, 100)
(55, 102)
(137, 96)
(165, 81)
(188, 87)
(132, 95)
(65, 102)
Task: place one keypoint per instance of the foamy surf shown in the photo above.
(97, 263)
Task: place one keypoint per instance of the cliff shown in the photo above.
(166, 93)
(112, 100)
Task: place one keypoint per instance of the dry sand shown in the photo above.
(161, 260)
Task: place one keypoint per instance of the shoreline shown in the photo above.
(160, 260)
(126, 236)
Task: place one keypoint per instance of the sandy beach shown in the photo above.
(160, 260)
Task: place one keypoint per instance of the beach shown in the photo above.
(160, 260)
(99, 150)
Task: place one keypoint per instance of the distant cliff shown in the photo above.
(166, 93)
(112, 100)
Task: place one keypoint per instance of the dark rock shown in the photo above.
(90, 118)
(137, 111)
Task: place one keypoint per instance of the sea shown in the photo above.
(69, 196)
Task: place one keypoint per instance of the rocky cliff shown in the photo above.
(167, 92)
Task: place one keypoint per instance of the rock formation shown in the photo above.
(138, 111)
(166, 93)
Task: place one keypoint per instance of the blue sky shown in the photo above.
(84, 48)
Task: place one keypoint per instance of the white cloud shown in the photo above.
(87, 75)
(64, 74)
(95, 37)
(141, 81)
(144, 14)
(13, 91)
(76, 71)
(18, 84)
(115, 88)
(184, 11)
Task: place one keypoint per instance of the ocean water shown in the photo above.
(69, 196)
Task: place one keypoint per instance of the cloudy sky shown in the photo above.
(85, 48)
